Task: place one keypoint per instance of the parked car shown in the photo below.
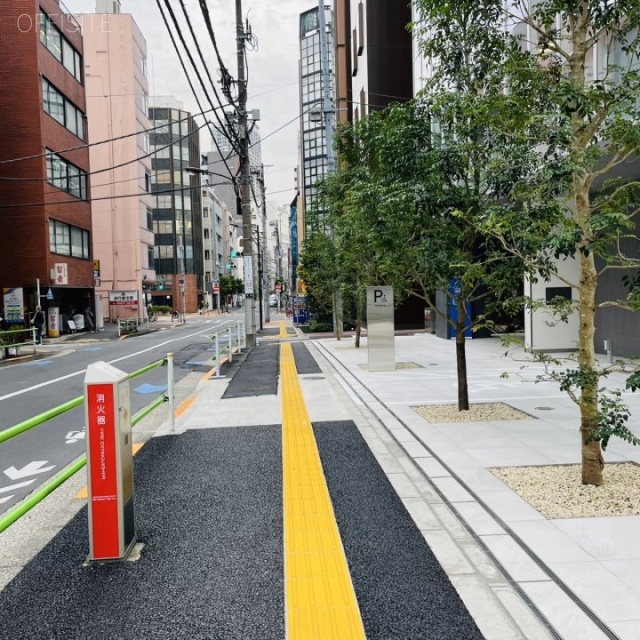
(273, 300)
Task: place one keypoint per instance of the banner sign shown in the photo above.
(13, 305)
(128, 298)
(62, 272)
(248, 275)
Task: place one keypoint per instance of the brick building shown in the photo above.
(45, 215)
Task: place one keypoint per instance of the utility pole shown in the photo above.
(264, 298)
(328, 113)
(260, 267)
(245, 184)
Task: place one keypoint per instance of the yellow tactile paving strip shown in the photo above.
(283, 330)
(319, 596)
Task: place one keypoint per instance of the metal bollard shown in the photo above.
(230, 345)
(239, 338)
(172, 416)
(217, 356)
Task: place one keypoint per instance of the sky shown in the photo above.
(272, 69)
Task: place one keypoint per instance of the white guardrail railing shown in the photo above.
(235, 337)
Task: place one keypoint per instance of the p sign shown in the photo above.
(380, 296)
(380, 329)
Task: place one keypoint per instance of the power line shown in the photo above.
(117, 166)
(206, 67)
(184, 69)
(90, 200)
(93, 144)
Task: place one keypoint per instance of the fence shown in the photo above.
(30, 502)
(240, 342)
(16, 338)
(130, 325)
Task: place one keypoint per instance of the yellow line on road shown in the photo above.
(319, 596)
(184, 406)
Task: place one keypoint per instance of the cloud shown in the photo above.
(272, 69)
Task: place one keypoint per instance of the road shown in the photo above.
(30, 388)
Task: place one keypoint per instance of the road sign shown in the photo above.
(49, 295)
(181, 282)
(216, 289)
(278, 287)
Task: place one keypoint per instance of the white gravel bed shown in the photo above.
(480, 412)
(556, 491)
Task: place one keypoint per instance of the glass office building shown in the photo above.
(177, 209)
(313, 140)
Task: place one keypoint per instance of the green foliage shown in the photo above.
(160, 309)
(557, 137)
(613, 415)
(230, 285)
(316, 326)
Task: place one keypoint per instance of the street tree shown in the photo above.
(580, 58)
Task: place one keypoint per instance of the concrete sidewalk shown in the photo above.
(520, 575)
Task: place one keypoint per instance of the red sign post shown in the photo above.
(109, 462)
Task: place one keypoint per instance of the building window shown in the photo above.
(67, 240)
(66, 176)
(147, 182)
(206, 234)
(60, 109)
(52, 38)
(149, 218)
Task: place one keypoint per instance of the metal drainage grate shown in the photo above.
(544, 408)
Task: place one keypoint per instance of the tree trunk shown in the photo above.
(337, 314)
(358, 320)
(592, 461)
(461, 362)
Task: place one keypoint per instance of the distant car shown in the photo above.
(273, 300)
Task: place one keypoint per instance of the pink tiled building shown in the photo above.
(117, 111)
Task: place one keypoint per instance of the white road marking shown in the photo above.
(82, 371)
(30, 469)
(11, 487)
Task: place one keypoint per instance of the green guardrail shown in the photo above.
(37, 496)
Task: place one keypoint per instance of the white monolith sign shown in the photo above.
(380, 329)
